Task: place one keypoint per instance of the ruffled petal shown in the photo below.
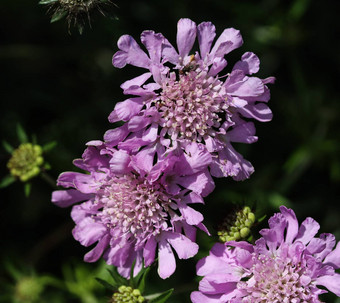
(94, 254)
(130, 53)
(205, 34)
(65, 198)
(228, 41)
(249, 64)
(186, 35)
(166, 262)
(308, 229)
(332, 283)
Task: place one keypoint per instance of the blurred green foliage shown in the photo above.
(62, 87)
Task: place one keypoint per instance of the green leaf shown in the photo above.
(49, 146)
(117, 277)
(59, 14)
(8, 180)
(106, 284)
(47, 1)
(27, 189)
(161, 298)
(141, 280)
(8, 147)
(21, 134)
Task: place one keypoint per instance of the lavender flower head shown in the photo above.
(132, 206)
(286, 265)
(182, 98)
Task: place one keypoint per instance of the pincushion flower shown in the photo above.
(286, 265)
(184, 99)
(132, 206)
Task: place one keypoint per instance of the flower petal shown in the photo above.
(65, 198)
(166, 262)
(186, 35)
(205, 34)
(130, 53)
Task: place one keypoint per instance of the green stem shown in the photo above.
(46, 177)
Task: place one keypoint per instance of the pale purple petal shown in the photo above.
(293, 225)
(333, 258)
(228, 41)
(186, 35)
(94, 254)
(130, 53)
(308, 229)
(119, 162)
(149, 251)
(332, 283)
(183, 246)
(65, 198)
(166, 262)
(137, 81)
(205, 34)
(259, 111)
(198, 297)
(249, 64)
(126, 110)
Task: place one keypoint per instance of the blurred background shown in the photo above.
(61, 87)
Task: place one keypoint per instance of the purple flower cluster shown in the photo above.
(182, 98)
(132, 204)
(286, 265)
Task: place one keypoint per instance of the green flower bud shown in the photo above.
(28, 289)
(237, 225)
(127, 294)
(26, 161)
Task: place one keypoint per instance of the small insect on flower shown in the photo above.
(77, 11)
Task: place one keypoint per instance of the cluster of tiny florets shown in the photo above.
(126, 294)
(190, 105)
(133, 205)
(26, 161)
(237, 225)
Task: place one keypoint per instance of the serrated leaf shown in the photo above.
(117, 277)
(27, 189)
(59, 14)
(162, 297)
(106, 284)
(47, 1)
(8, 180)
(8, 147)
(21, 134)
(49, 146)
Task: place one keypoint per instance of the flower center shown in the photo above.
(26, 161)
(135, 207)
(127, 294)
(277, 279)
(190, 105)
(237, 225)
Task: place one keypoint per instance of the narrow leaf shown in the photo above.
(163, 297)
(27, 189)
(117, 277)
(59, 14)
(49, 146)
(8, 147)
(21, 134)
(141, 280)
(8, 180)
(106, 284)
(47, 1)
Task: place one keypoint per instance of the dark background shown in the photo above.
(62, 87)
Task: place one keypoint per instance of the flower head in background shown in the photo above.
(183, 98)
(286, 265)
(76, 12)
(26, 161)
(135, 205)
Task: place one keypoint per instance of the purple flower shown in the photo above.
(182, 98)
(134, 205)
(286, 265)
